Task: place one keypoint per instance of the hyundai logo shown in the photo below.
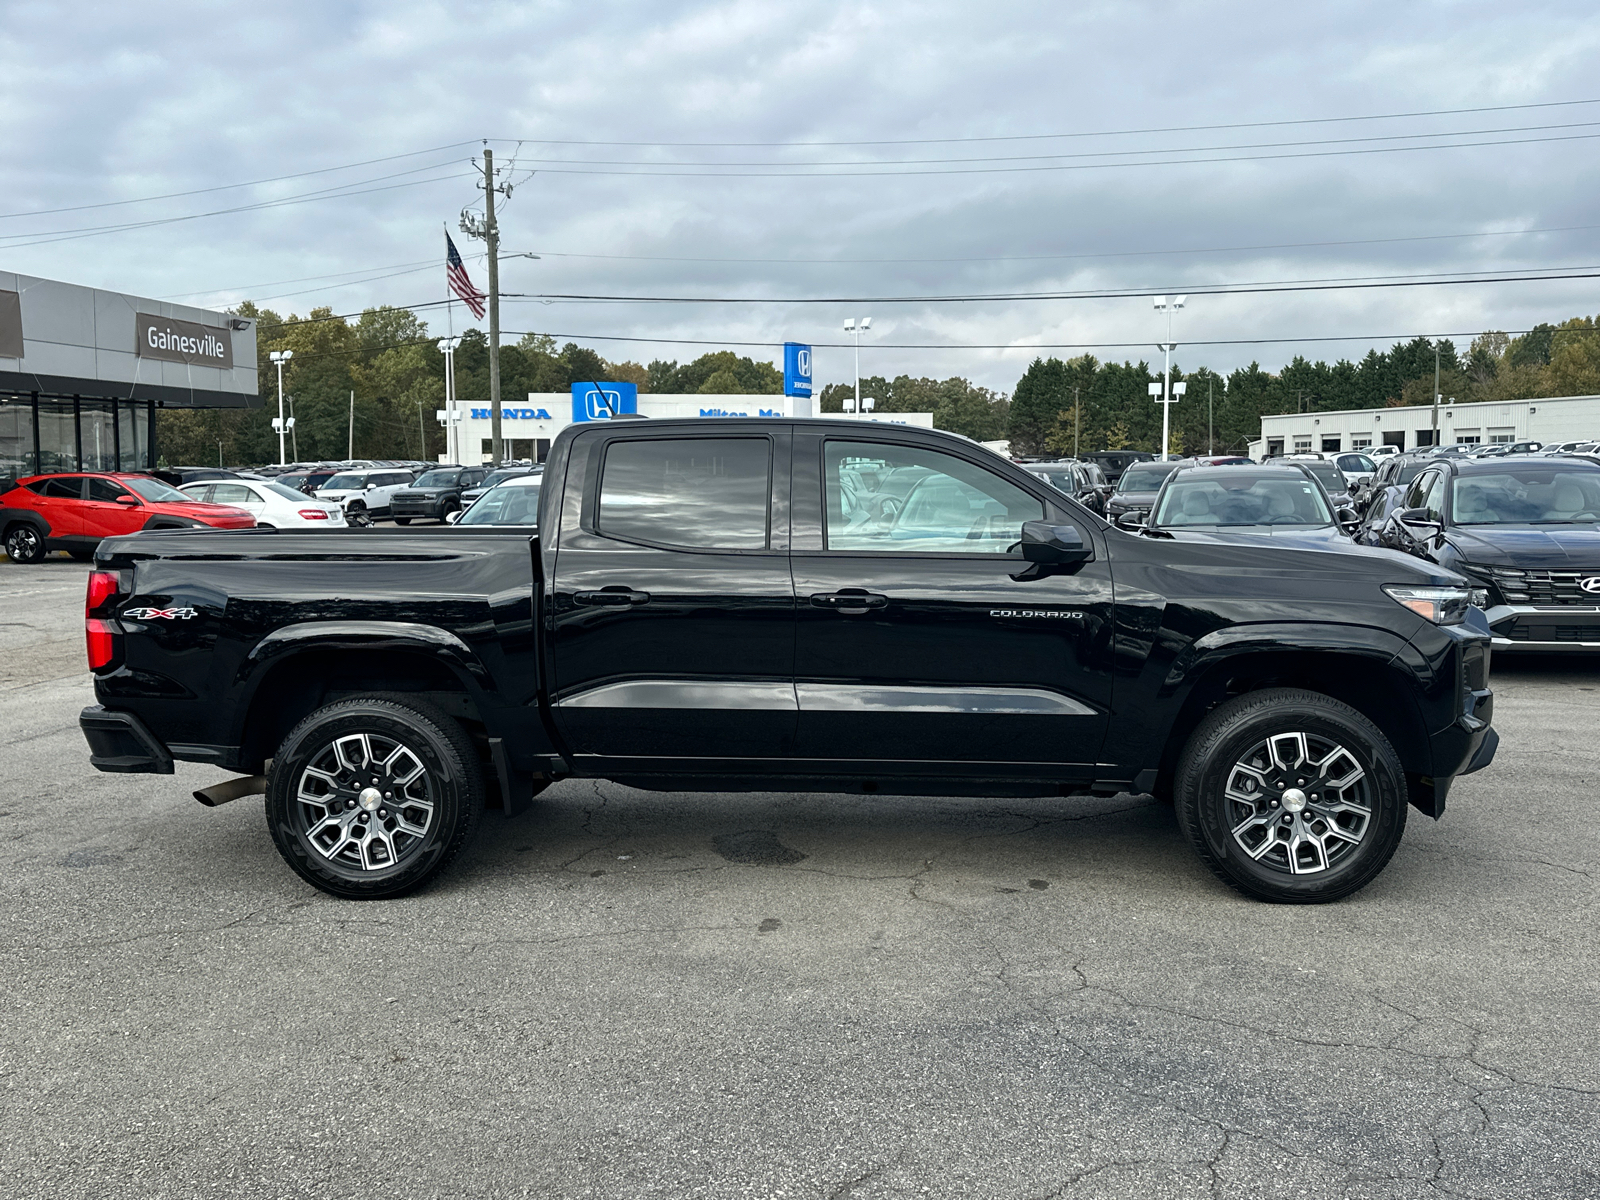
(1591, 584)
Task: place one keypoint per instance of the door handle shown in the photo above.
(851, 601)
(612, 597)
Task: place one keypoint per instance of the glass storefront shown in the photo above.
(43, 434)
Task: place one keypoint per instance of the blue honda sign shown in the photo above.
(796, 369)
(602, 401)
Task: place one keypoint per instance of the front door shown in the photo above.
(672, 605)
(924, 641)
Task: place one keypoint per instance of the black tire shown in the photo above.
(24, 545)
(1232, 803)
(448, 507)
(82, 555)
(402, 520)
(339, 845)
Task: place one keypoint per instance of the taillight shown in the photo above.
(101, 636)
(314, 514)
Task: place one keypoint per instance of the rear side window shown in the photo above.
(58, 489)
(702, 493)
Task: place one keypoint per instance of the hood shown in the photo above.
(1553, 547)
(1135, 499)
(1254, 551)
(1280, 534)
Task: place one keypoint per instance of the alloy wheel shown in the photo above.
(1298, 802)
(365, 802)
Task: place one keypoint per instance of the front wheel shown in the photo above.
(24, 544)
(369, 798)
(1291, 796)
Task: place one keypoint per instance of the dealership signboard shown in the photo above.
(796, 369)
(60, 339)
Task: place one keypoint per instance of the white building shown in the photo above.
(1558, 419)
(528, 428)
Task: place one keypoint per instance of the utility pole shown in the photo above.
(489, 231)
(294, 436)
(1077, 422)
(350, 451)
(1436, 393)
(1210, 417)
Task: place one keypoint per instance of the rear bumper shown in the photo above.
(120, 743)
(1545, 628)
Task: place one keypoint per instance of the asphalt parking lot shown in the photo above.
(626, 994)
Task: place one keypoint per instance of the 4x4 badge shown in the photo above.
(157, 614)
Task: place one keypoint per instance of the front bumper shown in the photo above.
(416, 506)
(1545, 627)
(119, 742)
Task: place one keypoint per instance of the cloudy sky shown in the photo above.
(784, 151)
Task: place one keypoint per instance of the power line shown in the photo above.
(1098, 294)
(1101, 166)
(223, 187)
(1024, 137)
(907, 162)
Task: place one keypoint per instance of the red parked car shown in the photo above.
(72, 512)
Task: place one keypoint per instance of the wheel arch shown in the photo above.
(1369, 676)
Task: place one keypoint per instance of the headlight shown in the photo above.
(1441, 605)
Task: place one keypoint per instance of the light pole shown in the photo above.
(856, 326)
(448, 346)
(1169, 306)
(279, 357)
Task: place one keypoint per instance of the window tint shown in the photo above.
(59, 489)
(1417, 493)
(104, 491)
(953, 507)
(700, 492)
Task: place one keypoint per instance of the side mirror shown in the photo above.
(370, 486)
(454, 515)
(1419, 523)
(1347, 519)
(130, 501)
(1130, 520)
(1053, 545)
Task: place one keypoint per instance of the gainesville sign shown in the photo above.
(188, 342)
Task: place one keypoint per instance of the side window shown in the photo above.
(702, 493)
(1434, 501)
(70, 488)
(104, 491)
(1417, 493)
(906, 500)
(231, 493)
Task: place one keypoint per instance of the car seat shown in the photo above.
(1472, 506)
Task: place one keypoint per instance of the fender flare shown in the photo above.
(438, 643)
(1383, 646)
(24, 516)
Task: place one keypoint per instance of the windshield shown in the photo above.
(1327, 475)
(345, 482)
(1527, 497)
(1197, 501)
(495, 477)
(441, 479)
(1145, 477)
(1060, 480)
(156, 491)
(514, 503)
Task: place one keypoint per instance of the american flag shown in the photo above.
(459, 283)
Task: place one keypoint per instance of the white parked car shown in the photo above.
(273, 504)
(364, 494)
(1356, 467)
(1381, 451)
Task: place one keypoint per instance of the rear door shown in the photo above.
(924, 642)
(671, 602)
(238, 495)
(60, 502)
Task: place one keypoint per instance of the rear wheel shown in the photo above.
(24, 544)
(1291, 796)
(369, 798)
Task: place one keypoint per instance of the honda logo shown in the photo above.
(1591, 584)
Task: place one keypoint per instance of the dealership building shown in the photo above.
(528, 427)
(85, 372)
(1557, 419)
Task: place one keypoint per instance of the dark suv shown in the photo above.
(435, 494)
(1526, 530)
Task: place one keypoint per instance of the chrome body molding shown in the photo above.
(687, 693)
(781, 696)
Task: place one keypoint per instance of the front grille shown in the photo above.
(1523, 632)
(1555, 587)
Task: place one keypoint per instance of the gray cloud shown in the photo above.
(116, 102)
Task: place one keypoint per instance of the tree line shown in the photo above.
(391, 363)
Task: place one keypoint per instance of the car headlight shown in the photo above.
(1441, 605)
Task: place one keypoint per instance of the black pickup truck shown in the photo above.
(809, 605)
